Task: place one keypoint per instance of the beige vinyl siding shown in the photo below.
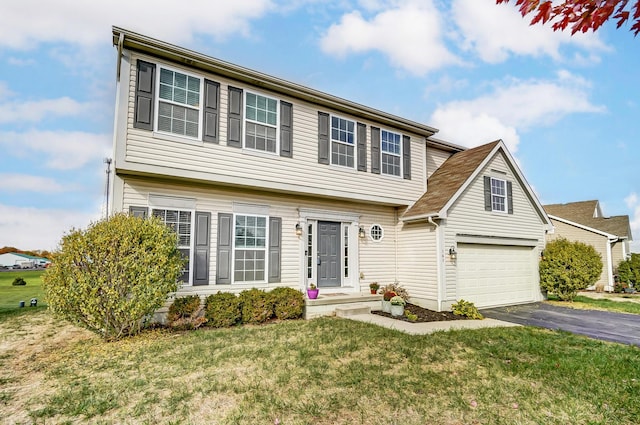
(417, 270)
(185, 158)
(617, 254)
(468, 216)
(376, 259)
(435, 158)
(599, 242)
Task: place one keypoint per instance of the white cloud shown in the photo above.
(633, 203)
(29, 183)
(513, 106)
(497, 31)
(409, 35)
(60, 150)
(27, 23)
(37, 110)
(21, 62)
(33, 228)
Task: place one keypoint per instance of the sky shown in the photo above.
(567, 107)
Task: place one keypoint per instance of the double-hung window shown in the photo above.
(250, 248)
(498, 195)
(180, 222)
(261, 123)
(390, 151)
(179, 100)
(343, 136)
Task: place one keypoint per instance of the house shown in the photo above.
(12, 259)
(584, 222)
(269, 183)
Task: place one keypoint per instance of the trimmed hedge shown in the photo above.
(257, 306)
(222, 310)
(288, 303)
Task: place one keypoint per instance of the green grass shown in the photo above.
(10, 296)
(587, 303)
(323, 371)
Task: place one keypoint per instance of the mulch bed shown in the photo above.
(424, 315)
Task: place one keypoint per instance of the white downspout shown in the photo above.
(609, 288)
(438, 262)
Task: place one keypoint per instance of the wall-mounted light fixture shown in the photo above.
(361, 233)
(298, 229)
(452, 253)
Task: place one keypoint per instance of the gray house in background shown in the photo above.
(269, 183)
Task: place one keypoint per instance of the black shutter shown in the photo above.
(286, 129)
(138, 211)
(323, 138)
(234, 128)
(509, 198)
(375, 150)
(201, 249)
(362, 147)
(211, 115)
(487, 193)
(145, 89)
(406, 157)
(224, 246)
(275, 238)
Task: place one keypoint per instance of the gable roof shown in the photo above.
(587, 214)
(447, 180)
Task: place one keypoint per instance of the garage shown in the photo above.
(494, 275)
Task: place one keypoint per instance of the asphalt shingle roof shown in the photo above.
(583, 213)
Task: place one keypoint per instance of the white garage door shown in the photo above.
(493, 275)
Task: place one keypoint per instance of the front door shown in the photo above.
(328, 254)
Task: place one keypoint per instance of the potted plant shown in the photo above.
(373, 286)
(397, 306)
(386, 301)
(312, 291)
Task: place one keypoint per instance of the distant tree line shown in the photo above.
(35, 253)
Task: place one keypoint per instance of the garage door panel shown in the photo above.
(491, 275)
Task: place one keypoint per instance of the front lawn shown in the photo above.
(587, 303)
(10, 296)
(322, 371)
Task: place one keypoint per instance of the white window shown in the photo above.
(181, 223)
(250, 248)
(390, 152)
(261, 123)
(346, 251)
(376, 232)
(310, 256)
(498, 195)
(343, 136)
(179, 100)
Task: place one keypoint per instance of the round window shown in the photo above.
(376, 232)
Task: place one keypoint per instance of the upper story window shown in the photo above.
(498, 195)
(261, 124)
(343, 136)
(179, 103)
(390, 151)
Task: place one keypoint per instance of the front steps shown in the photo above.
(341, 305)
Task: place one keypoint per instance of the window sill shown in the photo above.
(343, 168)
(261, 154)
(179, 139)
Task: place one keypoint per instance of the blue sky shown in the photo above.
(567, 107)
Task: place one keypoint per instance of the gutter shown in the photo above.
(439, 264)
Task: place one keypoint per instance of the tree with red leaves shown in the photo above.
(581, 15)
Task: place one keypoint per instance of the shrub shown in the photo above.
(257, 306)
(111, 276)
(568, 267)
(288, 303)
(397, 289)
(186, 313)
(410, 316)
(629, 270)
(18, 281)
(466, 309)
(222, 310)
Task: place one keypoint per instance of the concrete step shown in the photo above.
(352, 309)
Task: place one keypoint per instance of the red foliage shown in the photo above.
(581, 15)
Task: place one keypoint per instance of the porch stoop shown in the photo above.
(341, 305)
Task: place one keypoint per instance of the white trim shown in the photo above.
(354, 145)
(371, 233)
(245, 92)
(493, 240)
(399, 156)
(251, 209)
(582, 226)
(326, 215)
(192, 231)
(266, 251)
(505, 196)
(164, 201)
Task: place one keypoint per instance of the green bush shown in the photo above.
(629, 271)
(222, 310)
(111, 276)
(257, 306)
(288, 303)
(185, 313)
(466, 309)
(568, 267)
(18, 281)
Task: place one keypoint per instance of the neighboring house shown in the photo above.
(584, 222)
(269, 183)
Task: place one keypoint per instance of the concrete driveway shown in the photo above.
(604, 325)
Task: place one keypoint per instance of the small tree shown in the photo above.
(629, 270)
(568, 267)
(112, 275)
